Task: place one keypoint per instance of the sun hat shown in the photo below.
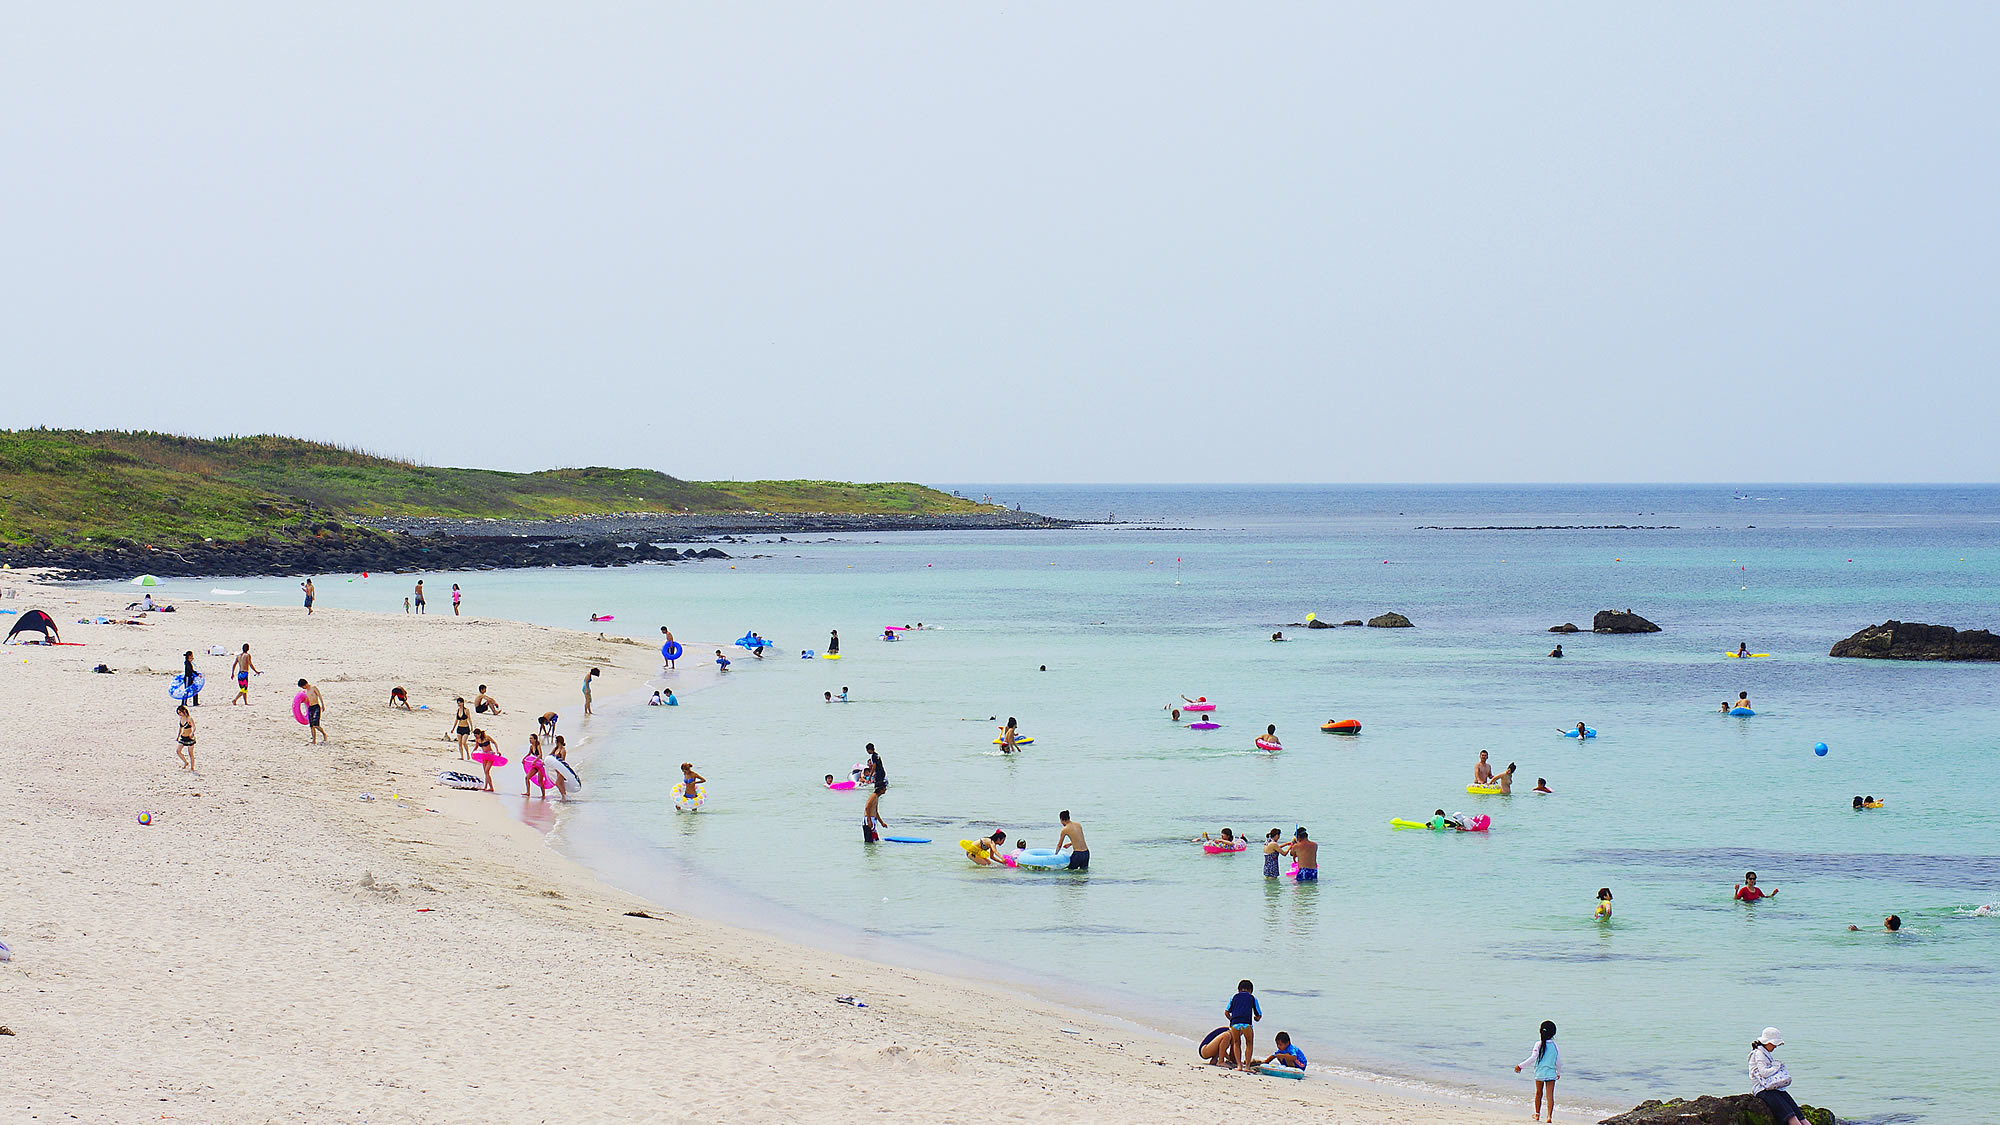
(1772, 1037)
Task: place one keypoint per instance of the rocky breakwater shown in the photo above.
(1910, 640)
(1620, 621)
(337, 549)
(1730, 1109)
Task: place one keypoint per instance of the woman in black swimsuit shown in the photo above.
(464, 728)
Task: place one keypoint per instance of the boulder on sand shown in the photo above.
(1621, 621)
(1389, 621)
(1910, 640)
(1731, 1109)
(1565, 627)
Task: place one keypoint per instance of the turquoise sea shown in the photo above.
(1430, 958)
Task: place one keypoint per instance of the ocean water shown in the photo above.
(1429, 956)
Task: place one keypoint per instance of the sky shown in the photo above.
(1030, 242)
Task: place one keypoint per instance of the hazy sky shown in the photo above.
(1018, 242)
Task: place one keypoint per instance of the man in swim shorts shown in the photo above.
(1072, 837)
(1482, 774)
(483, 702)
(243, 667)
(314, 708)
(307, 586)
(1306, 853)
(546, 725)
(420, 595)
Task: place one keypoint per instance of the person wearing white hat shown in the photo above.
(1769, 1079)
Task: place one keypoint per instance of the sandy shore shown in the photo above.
(273, 948)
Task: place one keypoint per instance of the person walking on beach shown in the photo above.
(1304, 852)
(594, 673)
(420, 595)
(315, 707)
(1244, 1012)
(1071, 837)
(188, 675)
(185, 750)
(1547, 1062)
(455, 595)
(871, 814)
(1770, 1081)
(243, 668)
(1274, 847)
(833, 644)
(307, 586)
(463, 728)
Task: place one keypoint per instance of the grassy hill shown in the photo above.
(71, 488)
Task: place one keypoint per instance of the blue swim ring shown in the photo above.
(1588, 732)
(671, 650)
(1741, 712)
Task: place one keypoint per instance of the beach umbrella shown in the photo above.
(145, 580)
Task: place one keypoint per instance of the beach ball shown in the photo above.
(1820, 749)
(145, 818)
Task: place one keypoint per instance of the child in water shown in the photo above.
(1603, 904)
(1547, 1062)
(1542, 785)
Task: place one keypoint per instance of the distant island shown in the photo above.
(111, 503)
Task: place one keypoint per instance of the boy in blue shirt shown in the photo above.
(1244, 1012)
(1286, 1054)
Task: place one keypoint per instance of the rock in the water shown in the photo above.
(1389, 621)
(1565, 627)
(1909, 640)
(1621, 621)
(1316, 623)
(1731, 1109)
(1352, 621)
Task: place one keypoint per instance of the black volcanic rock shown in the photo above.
(1565, 627)
(1621, 621)
(1910, 640)
(1730, 1109)
(1389, 621)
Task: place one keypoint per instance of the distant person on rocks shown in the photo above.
(1770, 1081)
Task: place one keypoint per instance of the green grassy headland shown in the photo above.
(73, 488)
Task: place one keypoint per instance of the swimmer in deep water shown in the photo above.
(1743, 649)
(1277, 636)
(1743, 700)
(1749, 891)
(1582, 731)
(1892, 924)
(1482, 773)
(1271, 734)
(1542, 785)
(1603, 909)
(1557, 652)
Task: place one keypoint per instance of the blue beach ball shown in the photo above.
(1820, 749)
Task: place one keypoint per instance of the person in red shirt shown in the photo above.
(1749, 891)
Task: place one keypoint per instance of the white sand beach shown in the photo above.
(273, 948)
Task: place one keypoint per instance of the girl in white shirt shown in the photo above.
(1769, 1079)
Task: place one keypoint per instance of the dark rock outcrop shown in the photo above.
(1730, 1109)
(1621, 621)
(1316, 623)
(1910, 640)
(1565, 627)
(1389, 621)
(1352, 621)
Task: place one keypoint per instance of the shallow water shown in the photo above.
(1418, 953)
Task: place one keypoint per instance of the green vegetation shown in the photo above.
(71, 488)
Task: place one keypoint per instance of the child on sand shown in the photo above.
(1547, 1062)
(185, 751)
(1286, 1054)
(399, 697)
(1244, 1012)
